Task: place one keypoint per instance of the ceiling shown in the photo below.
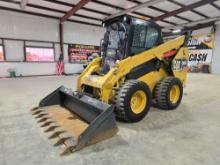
(169, 14)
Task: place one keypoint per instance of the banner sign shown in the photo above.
(201, 46)
(79, 53)
(1, 53)
(34, 54)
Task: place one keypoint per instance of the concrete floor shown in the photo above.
(188, 136)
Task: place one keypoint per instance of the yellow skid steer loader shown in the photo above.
(136, 70)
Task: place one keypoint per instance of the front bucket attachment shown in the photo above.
(76, 120)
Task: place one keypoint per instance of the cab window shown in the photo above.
(143, 38)
(151, 38)
(139, 36)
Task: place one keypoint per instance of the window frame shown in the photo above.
(3, 39)
(148, 25)
(3, 49)
(39, 47)
(145, 28)
(156, 40)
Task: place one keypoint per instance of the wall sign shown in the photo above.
(34, 54)
(201, 46)
(79, 53)
(1, 53)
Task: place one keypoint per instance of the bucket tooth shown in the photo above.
(44, 119)
(57, 132)
(37, 112)
(35, 108)
(47, 123)
(70, 146)
(52, 127)
(36, 117)
(41, 115)
(67, 151)
(62, 138)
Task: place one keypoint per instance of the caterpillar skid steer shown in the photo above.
(136, 70)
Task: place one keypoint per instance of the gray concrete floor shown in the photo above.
(188, 136)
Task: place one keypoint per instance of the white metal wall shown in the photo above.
(17, 25)
(216, 57)
(22, 26)
(82, 34)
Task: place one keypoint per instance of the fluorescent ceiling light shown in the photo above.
(217, 23)
(176, 31)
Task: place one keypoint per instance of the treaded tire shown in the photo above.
(162, 92)
(123, 96)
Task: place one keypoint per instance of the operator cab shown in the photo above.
(126, 36)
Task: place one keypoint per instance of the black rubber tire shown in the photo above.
(123, 96)
(162, 91)
(154, 97)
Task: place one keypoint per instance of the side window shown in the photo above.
(151, 38)
(139, 36)
(143, 38)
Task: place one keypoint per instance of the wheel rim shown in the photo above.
(174, 94)
(138, 102)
